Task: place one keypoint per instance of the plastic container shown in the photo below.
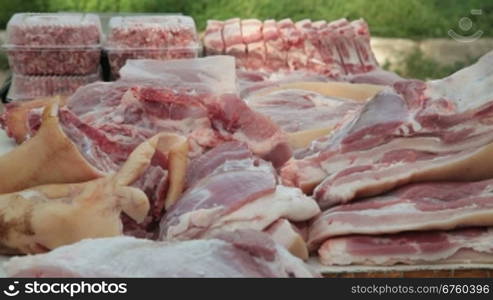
(150, 37)
(25, 87)
(54, 44)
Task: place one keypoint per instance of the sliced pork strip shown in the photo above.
(255, 255)
(416, 207)
(463, 246)
(210, 205)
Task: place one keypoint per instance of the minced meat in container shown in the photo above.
(152, 37)
(54, 43)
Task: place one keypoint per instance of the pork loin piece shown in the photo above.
(465, 246)
(420, 206)
(229, 189)
(435, 131)
(238, 254)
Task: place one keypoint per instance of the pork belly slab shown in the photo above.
(229, 189)
(416, 131)
(238, 254)
(415, 207)
(465, 246)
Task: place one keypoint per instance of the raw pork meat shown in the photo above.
(304, 114)
(213, 38)
(416, 131)
(288, 236)
(415, 207)
(275, 54)
(238, 254)
(151, 37)
(251, 31)
(229, 189)
(54, 44)
(336, 49)
(463, 246)
(233, 40)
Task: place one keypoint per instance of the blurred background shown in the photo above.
(415, 38)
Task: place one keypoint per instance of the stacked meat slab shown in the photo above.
(334, 49)
(436, 135)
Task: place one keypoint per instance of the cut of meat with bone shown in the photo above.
(334, 66)
(437, 131)
(293, 43)
(312, 45)
(335, 49)
(238, 254)
(416, 207)
(362, 45)
(465, 246)
(239, 191)
(345, 43)
(275, 54)
(304, 114)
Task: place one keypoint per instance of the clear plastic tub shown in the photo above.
(25, 87)
(118, 57)
(54, 44)
(150, 37)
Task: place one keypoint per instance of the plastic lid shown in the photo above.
(155, 31)
(54, 29)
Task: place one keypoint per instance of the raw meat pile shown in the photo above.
(54, 44)
(216, 170)
(334, 49)
(430, 133)
(152, 37)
